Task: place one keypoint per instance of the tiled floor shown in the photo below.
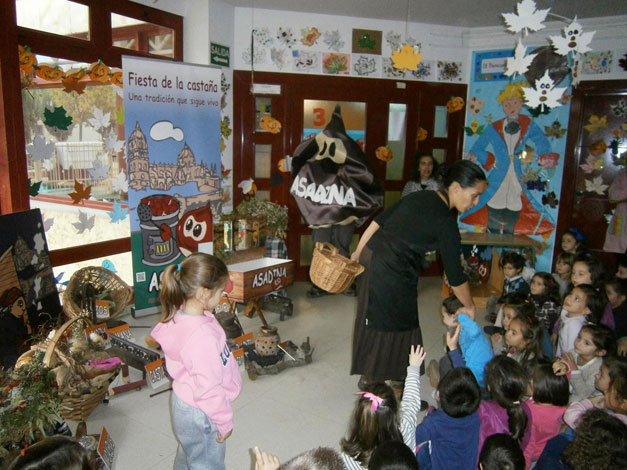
(298, 409)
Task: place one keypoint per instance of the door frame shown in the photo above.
(287, 108)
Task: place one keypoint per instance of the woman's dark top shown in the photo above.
(418, 223)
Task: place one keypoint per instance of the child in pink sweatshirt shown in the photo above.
(206, 378)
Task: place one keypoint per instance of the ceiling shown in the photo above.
(465, 13)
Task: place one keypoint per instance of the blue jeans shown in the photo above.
(196, 435)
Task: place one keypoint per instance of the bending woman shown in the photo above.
(391, 249)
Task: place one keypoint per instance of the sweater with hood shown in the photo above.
(205, 374)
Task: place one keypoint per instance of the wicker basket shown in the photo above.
(80, 407)
(102, 279)
(331, 271)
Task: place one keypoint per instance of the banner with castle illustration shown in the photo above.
(172, 122)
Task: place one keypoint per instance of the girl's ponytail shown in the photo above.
(507, 383)
(171, 296)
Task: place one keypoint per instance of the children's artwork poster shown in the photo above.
(521, 148)
(28, 292)
(172, 119)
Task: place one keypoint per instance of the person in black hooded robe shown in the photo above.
(335, 188)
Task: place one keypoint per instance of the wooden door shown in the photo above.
(596, 116)
(416, 104)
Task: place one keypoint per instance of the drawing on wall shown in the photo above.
(333, 40)
(28, 294)
(262, 36)
(285, 36)
(389, 71)
(597, 62)
(278, 57)
(259, 56)
(336, 64)
(393, 39)
(425, 70)
(366, 66)
(309, 36)
(449, 71)
(306, 61)
(508, 205)
(367, 41)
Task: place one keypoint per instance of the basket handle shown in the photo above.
(57, 336)
(326, 246)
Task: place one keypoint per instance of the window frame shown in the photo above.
(14, 187)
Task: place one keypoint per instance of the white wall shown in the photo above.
(445, 43)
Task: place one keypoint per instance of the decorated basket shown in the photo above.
(106, 286)
(76, 405)
(331, 271)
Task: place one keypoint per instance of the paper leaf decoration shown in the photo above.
(554, 130)
(80, 192)
(285, 164)
(474, 128)
(40, 150)
(112, 143)
(100, 119)
(248, 186)
(99, 170)
(385, 154)
(526, 18)
(57, 118)
(592, 164)
(71, 84)
(118, 213)
(85, 222)
(408, 57)
(519, 64)
(544, 95)
(270, 124)
(550, 200)
(421, 134)
(309, 36)
(474, 105)
(33, 188)
(120, 183)
(48, 223)
(119, 116)
(598, 148)
(573, 39)
(595, 123)
(225, 172)
(108, 264)
(596, 185)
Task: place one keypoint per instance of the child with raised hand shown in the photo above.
(583, 363)
(449, 435)
(573, 241)
(546, 407)
(563, 271)
(616, 292)
(206, 378)
(501, 452)
(524, 338)
(377, 418)
(612, 382)
(504, 412)
(584, 303)
(475, 347)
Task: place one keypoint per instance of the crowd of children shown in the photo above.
(546, 389)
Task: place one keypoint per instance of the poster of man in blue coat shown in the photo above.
(508, 205)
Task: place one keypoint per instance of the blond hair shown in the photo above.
(181, 281)
(512, 90)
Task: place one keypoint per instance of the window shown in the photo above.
(89, 151)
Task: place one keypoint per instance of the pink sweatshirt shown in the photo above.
(578, 408)
(205, 374)
(544, 422)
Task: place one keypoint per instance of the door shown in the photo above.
(596, 137)
(379, 112)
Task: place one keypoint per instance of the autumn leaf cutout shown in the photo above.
(527, 18)
(80, 192)
(407, 57)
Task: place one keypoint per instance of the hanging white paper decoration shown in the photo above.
(520, 62)
(526, 18)
(544, 94)
(573, 40)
